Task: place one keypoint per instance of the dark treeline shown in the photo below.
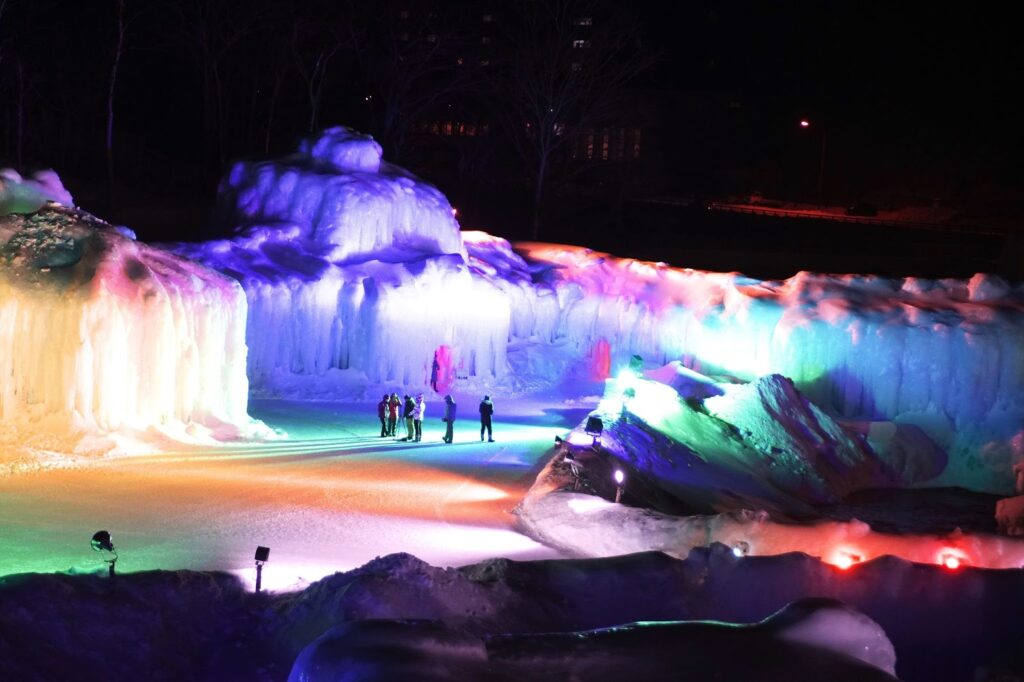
(528, 113)
(130, 99)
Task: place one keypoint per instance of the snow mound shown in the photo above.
(99, 333)
(761, 445)
(942, 625)
(28, 195)
(810, 639)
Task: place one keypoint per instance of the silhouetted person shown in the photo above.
(434, 369)
(486, 410)
(449, 418)
(382, 412)
(407, 413)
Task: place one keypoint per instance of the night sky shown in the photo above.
(916, 99)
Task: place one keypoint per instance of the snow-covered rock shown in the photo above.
(101, 333)
(28, 195)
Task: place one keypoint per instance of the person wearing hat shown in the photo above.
(449, 418)
(486, 410)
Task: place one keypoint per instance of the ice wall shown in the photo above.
(100, 332)
(945, 355)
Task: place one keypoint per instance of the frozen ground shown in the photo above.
(331, 497)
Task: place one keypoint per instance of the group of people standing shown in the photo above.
(412, 410)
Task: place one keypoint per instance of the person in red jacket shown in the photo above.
(382, 414)
(393, 404)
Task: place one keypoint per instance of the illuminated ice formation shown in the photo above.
(351, 263)
(943, 355)
(99, 332)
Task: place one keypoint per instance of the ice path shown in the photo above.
(331, 497)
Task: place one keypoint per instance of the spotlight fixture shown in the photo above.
(619, 481)
(102, 542)
(262, 556)
(594, 427)
(741, 548)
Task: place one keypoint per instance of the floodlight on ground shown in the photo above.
(594, 427)
(574, 468)
(951, 559)
(262, 556)
(102, 542)
(844, 559)
(620, 479)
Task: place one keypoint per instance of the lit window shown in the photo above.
(588, 146)
(446, 128)
(584, 21)
(459, 61)
(605, 139)
(559, 129)
(580, 43)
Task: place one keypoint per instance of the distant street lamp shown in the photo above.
(806, 124)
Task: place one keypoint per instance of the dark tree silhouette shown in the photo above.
(568, 68)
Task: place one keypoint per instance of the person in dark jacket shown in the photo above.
(408, 413)
(382, 413)
(486, 410)
(449, 418)
(393, 404)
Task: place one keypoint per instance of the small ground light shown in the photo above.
(102, 542)
(262, 556)
(845, 560)
(741, 548)
(619, 478)
(951, 561)
(804, 123)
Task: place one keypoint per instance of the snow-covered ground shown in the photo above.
(331, 497)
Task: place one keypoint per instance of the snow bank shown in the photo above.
(101, 333)
(811, 639)
(942, 625)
